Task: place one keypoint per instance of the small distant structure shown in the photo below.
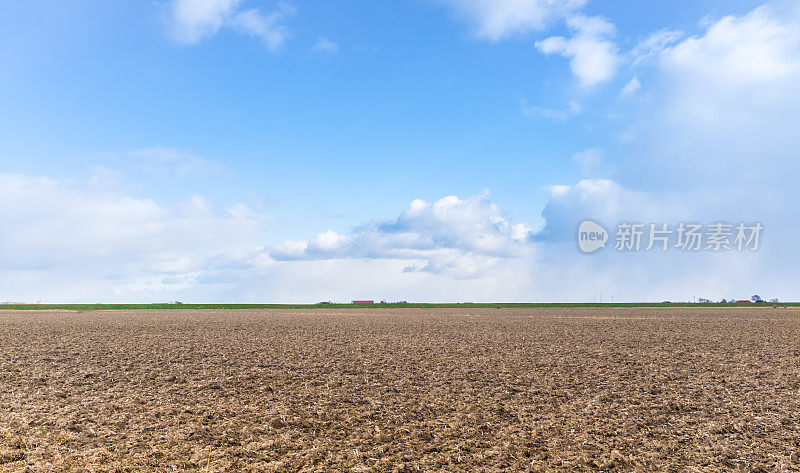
(743, 301)
(364, 302)
(704, 301)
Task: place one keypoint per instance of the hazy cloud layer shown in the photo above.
(114, 244)
(716, 144)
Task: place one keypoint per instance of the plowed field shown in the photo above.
(401, 390)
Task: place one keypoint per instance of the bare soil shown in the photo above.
(401, 390)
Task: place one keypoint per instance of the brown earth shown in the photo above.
(401, 390)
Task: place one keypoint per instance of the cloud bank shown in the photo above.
(713, 138)
(74, 242)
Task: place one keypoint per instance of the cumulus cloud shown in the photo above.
(460, 237)
(601, 200)
(593, 55)
(498, 19)
(325, 245)
(75, 242)
(192, 21)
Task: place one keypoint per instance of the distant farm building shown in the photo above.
(363, 302)
(743, 301)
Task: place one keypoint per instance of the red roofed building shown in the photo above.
(363, 302)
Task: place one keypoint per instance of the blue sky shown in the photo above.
(197, 140)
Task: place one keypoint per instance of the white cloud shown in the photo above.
(99, 243)
(457, 265)
(328, 241)
(73, 242)
(194, 20)
(498, 19)
(632, 87)
(324, 45)
(268, 28)
(602, 200)
(652, 46)
(326, 245)
(716, 142)
(460, 237)
(593, 56)
(758, 48)
(657, 274)
(714, 93)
